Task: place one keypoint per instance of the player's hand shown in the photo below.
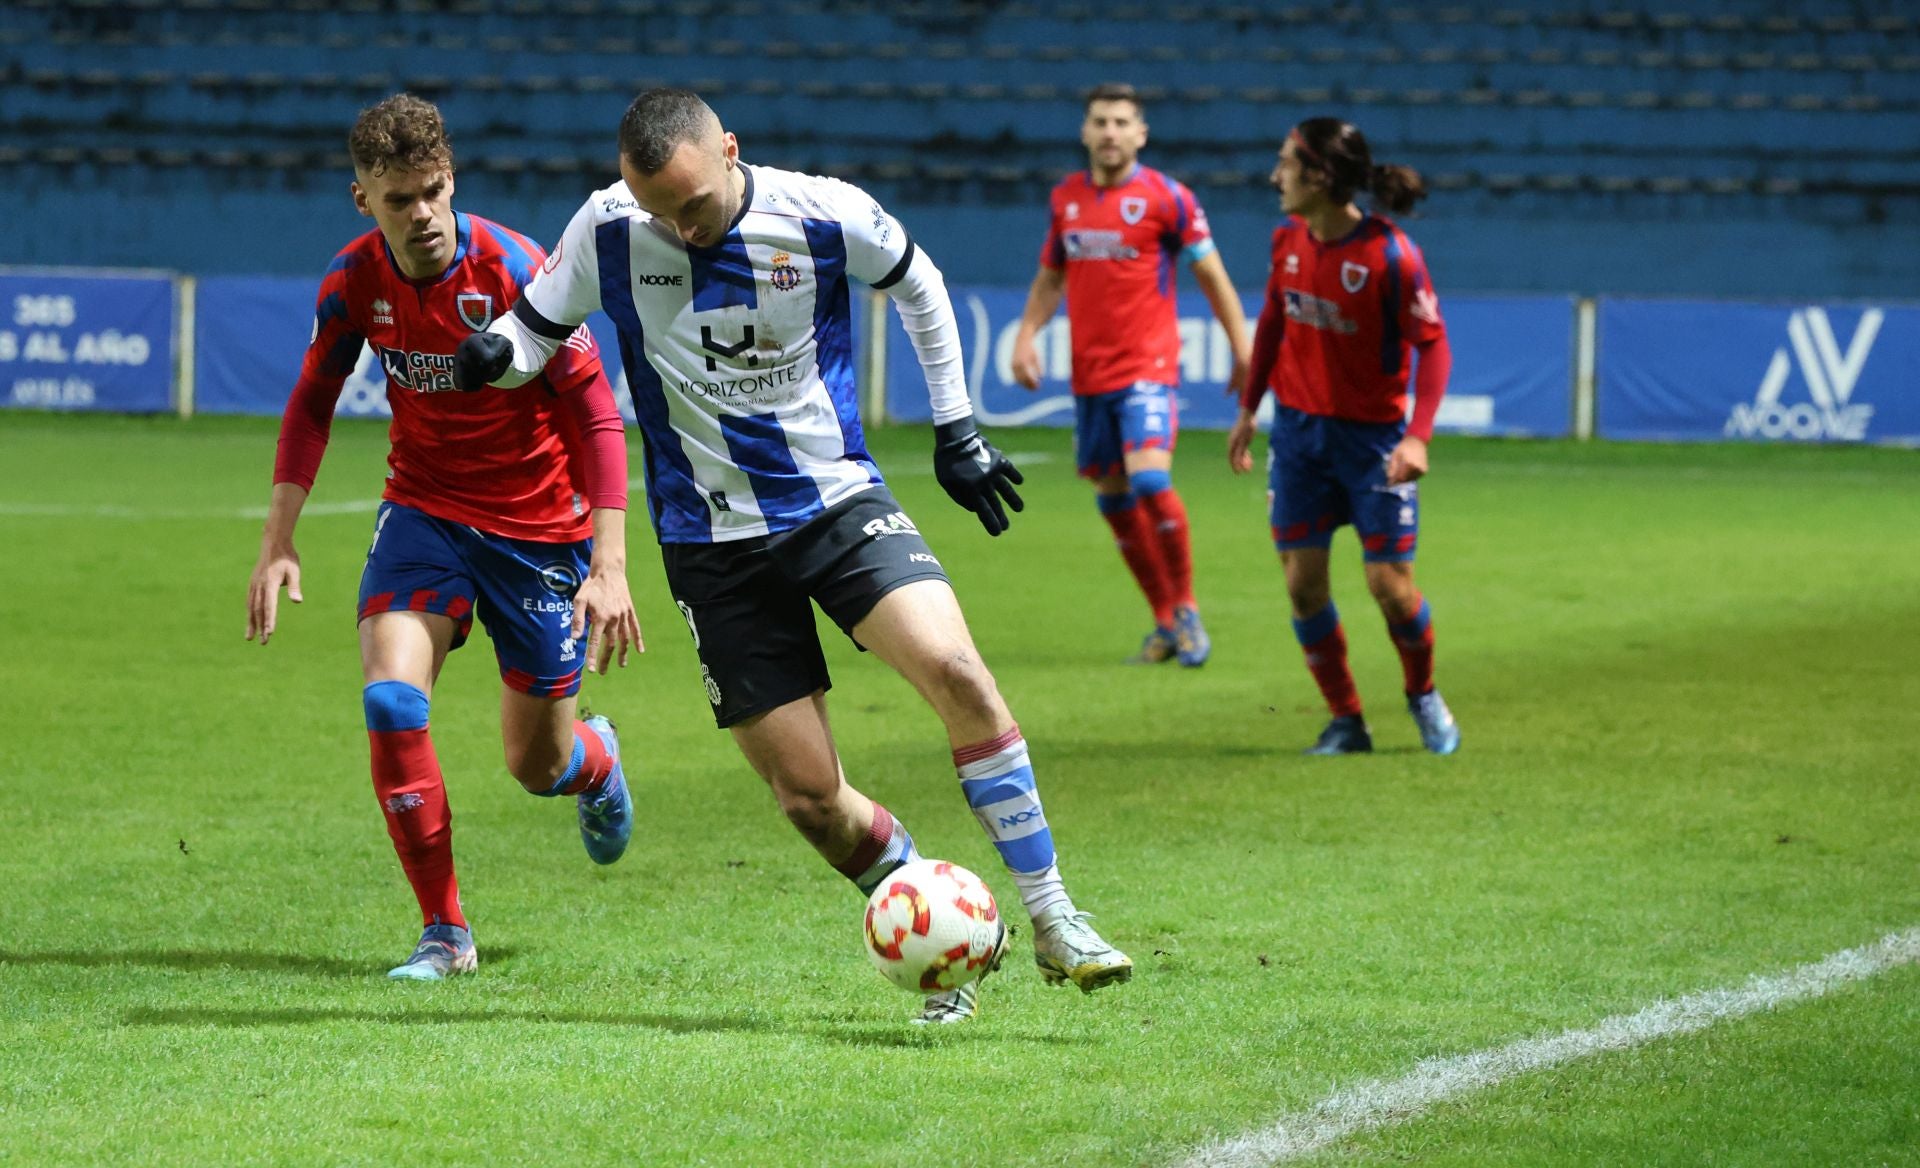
(1026, 362)
(1240, 442)
(975, 474)
(1407, 462)
(276, 569)
(603, 610)
(480, 359)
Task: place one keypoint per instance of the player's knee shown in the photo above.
(1393, 590)
(394, 705)
(812, 808)
(965, 687)
(1145, 483)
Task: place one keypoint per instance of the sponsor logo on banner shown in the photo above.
(1353, 277)
(475, 309)
(1829, 376)
(1133, 209)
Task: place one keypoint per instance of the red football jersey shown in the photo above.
(1353, 310)
(504, 461)
(1118, 246)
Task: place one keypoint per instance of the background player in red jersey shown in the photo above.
(1113, 235)
(1348, 301)
(508, 504)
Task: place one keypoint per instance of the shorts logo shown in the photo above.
(1133, 209)
(894, 524)
(1353, 277)
(560, 579)
(784, 277)
(405, 802)
(686, 610)
(475, 309)
(713, 687)
(922, 558)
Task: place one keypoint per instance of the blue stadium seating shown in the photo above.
(1569, 145)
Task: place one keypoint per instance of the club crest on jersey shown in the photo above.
(1353, 277)
(784, 277)
(1293, 265)
(475, 309)
(1133, 208)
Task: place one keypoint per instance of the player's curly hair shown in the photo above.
(403, 131)
(1339, 150)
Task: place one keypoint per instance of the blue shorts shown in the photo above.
(522, 590)
(1109, 426)
(1325, 472)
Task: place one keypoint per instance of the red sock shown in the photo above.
(1167, 516)
(1133, 533)
(1327, 658)
(413, 796)
(596, 762)
(1414, 638)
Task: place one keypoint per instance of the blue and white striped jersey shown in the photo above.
(739, 356)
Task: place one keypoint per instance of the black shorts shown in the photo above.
(747, 601)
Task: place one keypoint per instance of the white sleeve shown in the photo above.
(564, 291)
(882, 254)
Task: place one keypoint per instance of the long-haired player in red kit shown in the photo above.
(1350, 317)
(508, 505)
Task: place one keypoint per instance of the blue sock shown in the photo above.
(1113, 504)
(572, 772)
(1150, 482)
(997, 778)
(1318, 627)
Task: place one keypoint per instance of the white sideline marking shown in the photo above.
(1382, 1102)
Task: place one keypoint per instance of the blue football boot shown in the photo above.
(1159, 646)
(1438, 731)
(606, 815)
(1190, 637)
(443, 951)
(1344, 735)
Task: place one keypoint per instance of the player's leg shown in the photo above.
(766, 679)
(918, 629)
(1389, 523)
(1149, 427)
(1304, 508)
(1097, 442)
(415, 606)
(526, 591)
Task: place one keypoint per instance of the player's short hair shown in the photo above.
(403, 131)
(1339, 150)
(1116, 91)
(657, 122)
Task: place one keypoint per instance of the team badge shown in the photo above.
(1133, 209)
(1353, 277)
(1293, 264)
(553, 257)
(784, 276)
(475, 308)
(1073, 211)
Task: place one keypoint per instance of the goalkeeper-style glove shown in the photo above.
(974, 473)
(481, 358)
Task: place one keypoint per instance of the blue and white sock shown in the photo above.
(997, 777)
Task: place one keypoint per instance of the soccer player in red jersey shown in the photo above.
(1348, 305)
(1115, 232)
(508, 505)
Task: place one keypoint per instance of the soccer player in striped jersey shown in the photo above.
(1348, 306)
(730, 288)
(508, 506)
(1114, 234)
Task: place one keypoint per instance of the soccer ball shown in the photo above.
(933, 926)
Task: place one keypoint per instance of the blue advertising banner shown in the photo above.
(94, 341)
(251, 333)
(1699, 371)
(1512, 364)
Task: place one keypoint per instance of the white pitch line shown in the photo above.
(1383, 1102)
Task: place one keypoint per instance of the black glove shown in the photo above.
(976, 475)
(481, 358)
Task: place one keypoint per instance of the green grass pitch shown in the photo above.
(1686, 677)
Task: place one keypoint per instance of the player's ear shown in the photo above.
(730, 147)
(360, 198)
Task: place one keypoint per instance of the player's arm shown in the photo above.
(1043, 300)
(516, 347)
(880, 252)
(603, 605)
(1211, 274)
(305, 426)
(1267, 336)
(1421, 323)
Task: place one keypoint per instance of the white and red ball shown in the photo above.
(933, 926)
